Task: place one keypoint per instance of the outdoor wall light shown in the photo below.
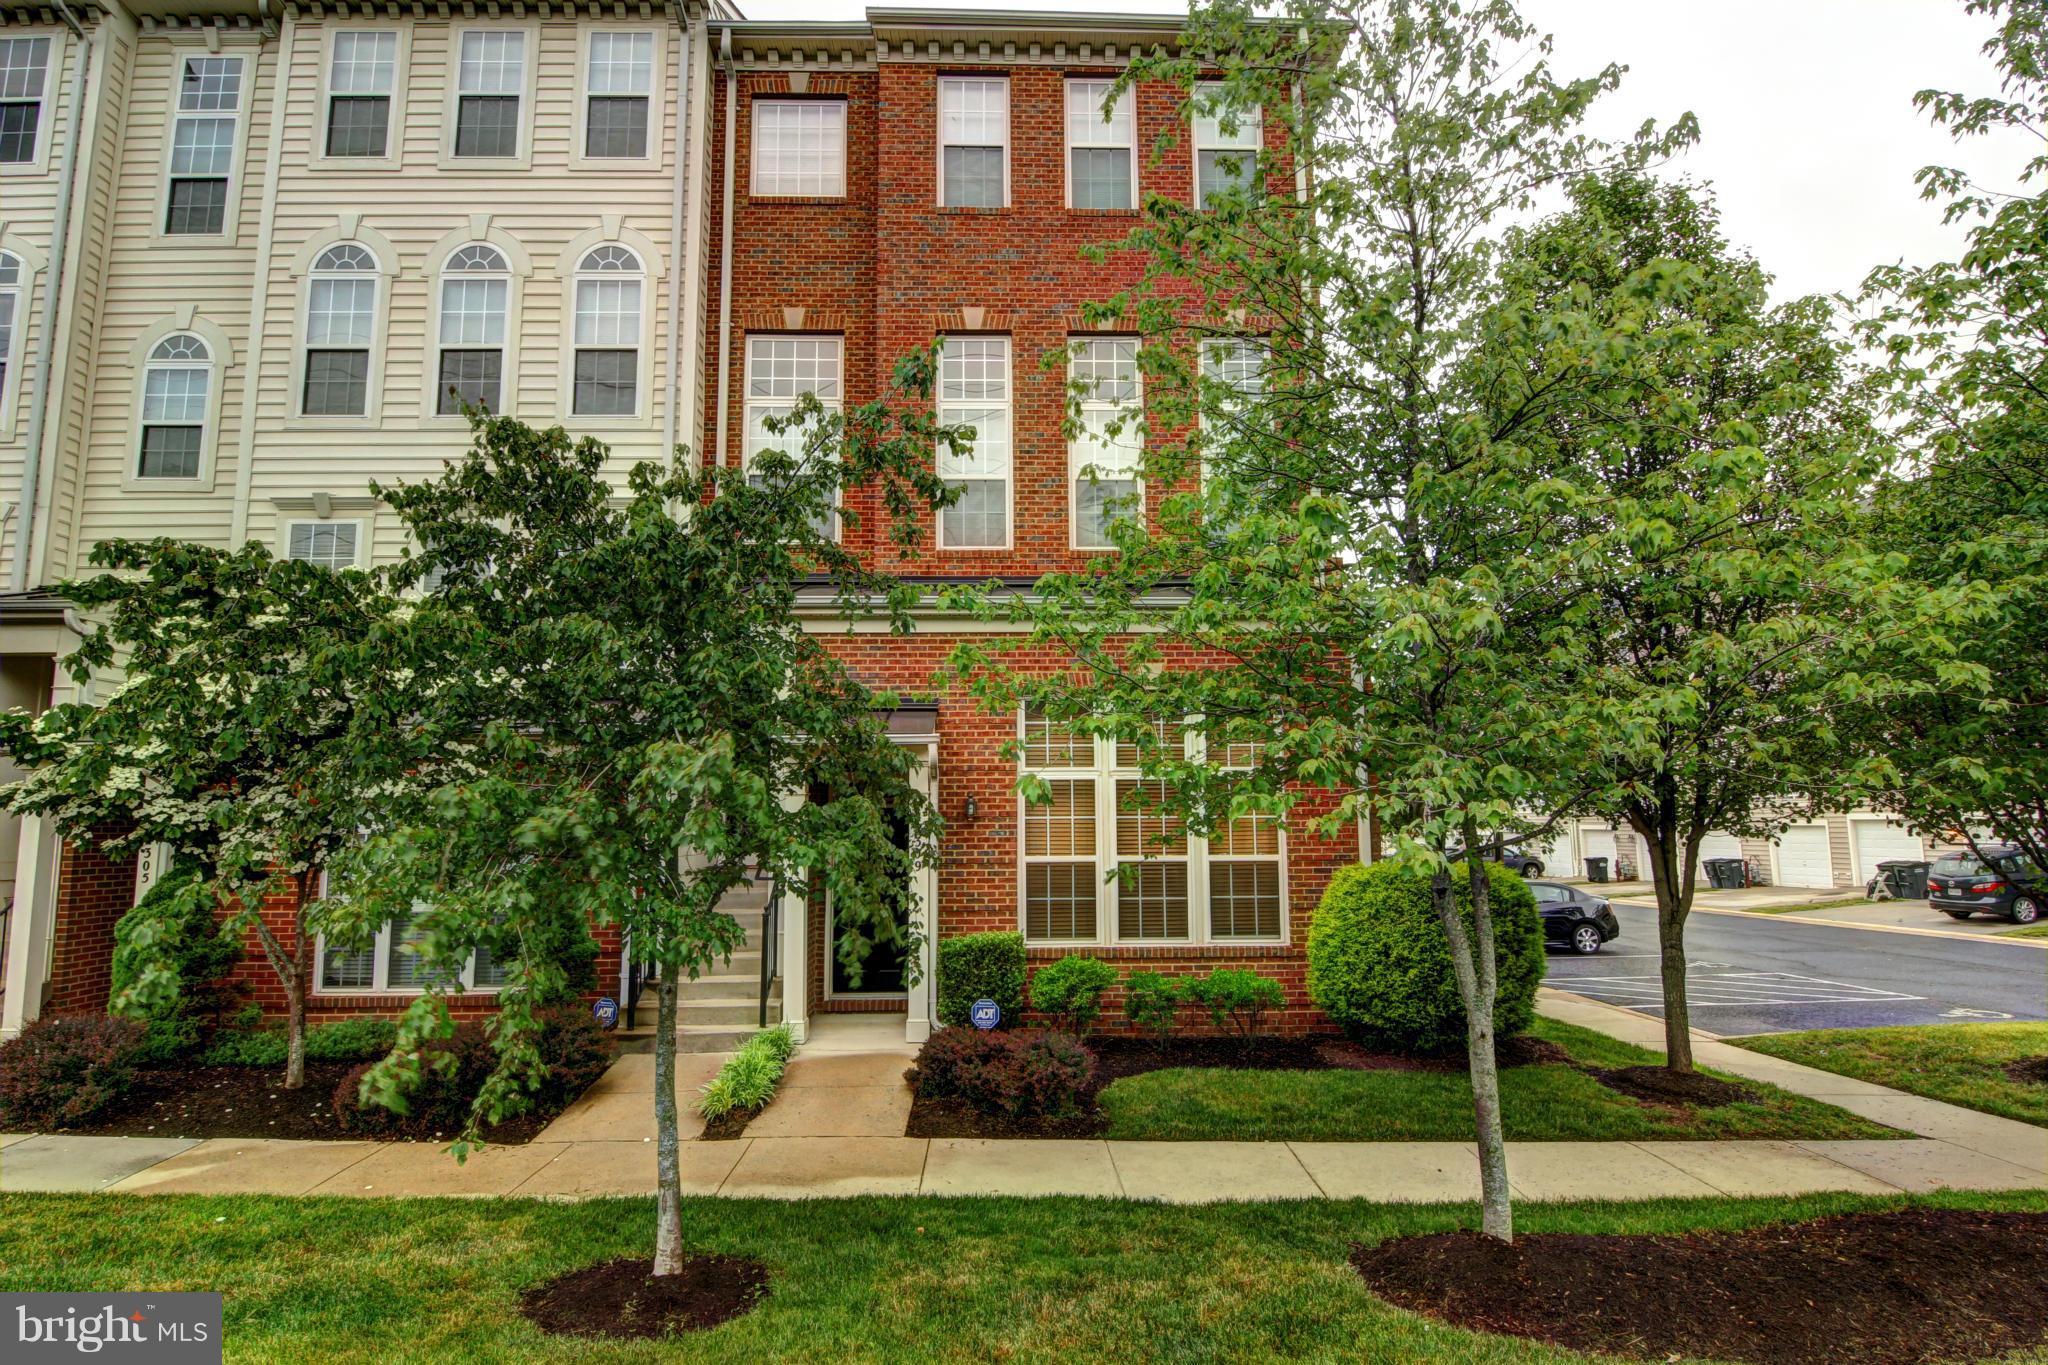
(972, 810)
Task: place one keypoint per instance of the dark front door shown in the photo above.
(882, 970)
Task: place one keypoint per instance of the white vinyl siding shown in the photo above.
(800, 149)
(974, 391)
(1106, 448)
(974, 142)
(1102, 157)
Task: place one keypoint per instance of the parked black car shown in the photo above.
(1577, 919)
(2003, 882)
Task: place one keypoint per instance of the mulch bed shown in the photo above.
(2029, 1070)
(623, 1298)
(1117, 1057)
(729, 1125)
(1659, 1085)
(251, 1102)
(1905, 1288)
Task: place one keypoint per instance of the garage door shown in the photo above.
(1599, 843)
(1556, 855)
(1804, 858)
(1879, 841)
(1717, 844)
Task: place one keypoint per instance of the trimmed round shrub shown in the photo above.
(1152, 1001)
(64, 1070)
(1005, 1073)
(1070, 990)
(1237, 999)
(981, 967)
(1380, 967)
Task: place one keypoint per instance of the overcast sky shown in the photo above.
(1808, 131)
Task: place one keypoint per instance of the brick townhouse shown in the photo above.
(273, 234)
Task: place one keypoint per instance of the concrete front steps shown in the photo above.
(720, 1009)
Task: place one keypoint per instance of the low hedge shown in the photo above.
(573, 1050)
(749, 1077)
(341, 1040)
(981, 967)
(1010, 1073)
(60, 1071)
(1379, 964)
(1070, 989)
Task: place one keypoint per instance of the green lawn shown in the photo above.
(334, 1280)
(2038, 929)
(1960, 1063)
(1835, 904)
(1539, 1104)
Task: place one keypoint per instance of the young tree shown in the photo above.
(1346, 583)
(228, 738)
(627, 714)
(1968, 340)
(1719, 473)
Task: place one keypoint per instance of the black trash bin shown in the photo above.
(1596, 869)
(1726, 874)
(1906, 878)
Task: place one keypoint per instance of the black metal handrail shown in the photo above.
(770, 922)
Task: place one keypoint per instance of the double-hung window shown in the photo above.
(389, 964)
(1105, 861)
(362, 74)
(1101, 151)
(1227, 142)
(341, 329)
(800, 148)
(10, 308)
(329, 544)
(618, 96)
(781, 370)
(1106, 447)
(476, 286)
(490, 81)
(974, 391)
(203, 135)
(177, 381)
(24, 71)
(974, 142)
(607, 334)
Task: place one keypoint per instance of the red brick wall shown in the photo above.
(93, 892)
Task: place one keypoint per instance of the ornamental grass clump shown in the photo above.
(748, 1079)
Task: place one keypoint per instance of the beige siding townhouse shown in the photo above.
(296, 238)
(1834, 850)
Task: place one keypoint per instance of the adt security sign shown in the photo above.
(606, 1012)
(986, 1014)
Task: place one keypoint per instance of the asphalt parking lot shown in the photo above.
(1769, 975)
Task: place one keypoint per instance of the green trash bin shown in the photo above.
(1596, 869)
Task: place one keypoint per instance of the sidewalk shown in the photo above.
(1740, 898)
(858, 1100)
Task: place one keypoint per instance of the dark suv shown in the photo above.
(2003, 882)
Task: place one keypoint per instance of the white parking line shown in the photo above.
(1735, 989)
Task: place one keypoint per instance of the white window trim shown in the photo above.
(747, 404)
(643, 357)
(380, 967)
(57, 70)
(394, 134)
(1128, 99)
(1253, 119)
(521, 264)
(222, 354)
(1009, 479)
(250, 52)
(658, 100)
(754, 190)
(452, 100)
(1133, 423)
(25, 295)
(1105, 773)
(372, 416)
(361, 523)
(939, 134)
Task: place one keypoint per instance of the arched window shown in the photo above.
(177, 382)
(476, 286)
(607, 333)
(10, 306)
(341, 323)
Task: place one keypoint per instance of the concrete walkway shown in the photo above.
(835, 1129)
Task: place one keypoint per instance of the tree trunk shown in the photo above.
(1477, 985)
(668, 1228)
(1671, 861)
(295, 1033)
